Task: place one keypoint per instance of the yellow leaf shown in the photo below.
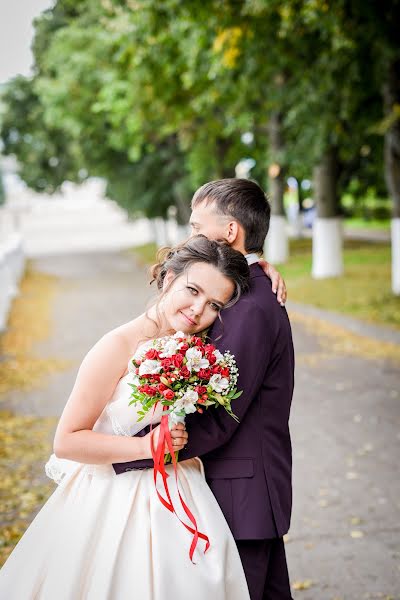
(302, 585)
(356, 534)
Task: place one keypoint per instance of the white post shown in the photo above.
(276, 247)
(396, 256)
(12, 262)
(327, 254)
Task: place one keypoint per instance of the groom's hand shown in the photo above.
(278, 283)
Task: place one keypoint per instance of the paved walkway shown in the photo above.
(344, 540)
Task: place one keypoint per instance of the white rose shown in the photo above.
(170, 348)
(219, 383)
(187, 402)
(180, 334)
(218, 356)
(150, 367)
(195, 360)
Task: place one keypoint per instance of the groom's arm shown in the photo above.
(246, 333)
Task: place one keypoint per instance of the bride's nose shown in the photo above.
(197, 306)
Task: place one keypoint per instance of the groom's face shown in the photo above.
(206, 221)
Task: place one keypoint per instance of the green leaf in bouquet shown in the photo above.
(237, 395)
(219, 398)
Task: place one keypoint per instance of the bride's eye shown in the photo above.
(215, 307)
(192, 290)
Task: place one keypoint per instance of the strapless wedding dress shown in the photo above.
(103, 536)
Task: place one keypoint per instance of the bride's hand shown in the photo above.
(179, 437)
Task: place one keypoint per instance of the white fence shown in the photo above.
(12, 264)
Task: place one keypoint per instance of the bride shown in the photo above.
(107, 537)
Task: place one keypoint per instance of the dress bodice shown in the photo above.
(117, 418)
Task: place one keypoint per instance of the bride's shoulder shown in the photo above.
(126, 337)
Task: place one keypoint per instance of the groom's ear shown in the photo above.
(232, 232)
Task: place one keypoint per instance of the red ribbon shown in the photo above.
(159, 468)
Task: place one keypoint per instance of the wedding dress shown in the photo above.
(103, 536)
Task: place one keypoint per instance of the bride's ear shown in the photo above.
(169, 277)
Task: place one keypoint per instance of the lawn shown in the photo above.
(363, 292)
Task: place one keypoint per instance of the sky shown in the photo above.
(16, 34)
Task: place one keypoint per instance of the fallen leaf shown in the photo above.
(356, 534)
(302, 585)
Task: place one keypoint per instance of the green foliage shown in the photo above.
(363, 292)
(154, 97)
(2, 191)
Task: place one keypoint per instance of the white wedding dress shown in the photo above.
(103, 536)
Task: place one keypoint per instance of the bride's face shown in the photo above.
(193, 301)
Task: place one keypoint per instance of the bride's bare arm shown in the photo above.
(97, 378)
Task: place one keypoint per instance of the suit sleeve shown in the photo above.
(246, 334)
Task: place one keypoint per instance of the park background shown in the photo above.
(127, 109)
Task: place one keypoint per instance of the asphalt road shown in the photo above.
(344, 543)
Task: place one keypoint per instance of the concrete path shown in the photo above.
(344, 540)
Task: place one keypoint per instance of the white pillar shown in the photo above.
(12, 263)
(396, 256)
(161, 233)
(276, 247)
(327, 253)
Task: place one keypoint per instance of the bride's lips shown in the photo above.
(187, 319)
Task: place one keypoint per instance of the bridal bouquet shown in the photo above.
(184, 374)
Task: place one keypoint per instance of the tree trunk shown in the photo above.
(327, 227)
(276, 247)
(391, 100)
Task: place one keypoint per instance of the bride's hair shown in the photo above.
(199, 249)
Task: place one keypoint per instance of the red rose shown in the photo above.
(200, 410)
(177, 360)
(151, 354)
(209, 348)
(166, 363)
(225, 372)
(211, 359)
(161, 387)
(149, 390)
(197, 341)
(200, 389)
(216, 370)
(185, 372)
(184, 348)
(204, 373)
(168, 394)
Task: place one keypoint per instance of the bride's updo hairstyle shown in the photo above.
(199, 249)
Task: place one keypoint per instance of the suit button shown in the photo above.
(128, 469)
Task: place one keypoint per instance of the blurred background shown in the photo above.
(112, 113)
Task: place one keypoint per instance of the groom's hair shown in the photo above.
(243, 200)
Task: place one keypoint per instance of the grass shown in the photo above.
(25, 447)
(145, 255)
(28, 323)
(355, 223)
(363, 292)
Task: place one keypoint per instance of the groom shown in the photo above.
(248, 464)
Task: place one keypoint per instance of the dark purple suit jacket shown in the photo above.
(248, 464)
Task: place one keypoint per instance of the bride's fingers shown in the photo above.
(179, 438)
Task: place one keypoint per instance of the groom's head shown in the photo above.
(234, 210)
